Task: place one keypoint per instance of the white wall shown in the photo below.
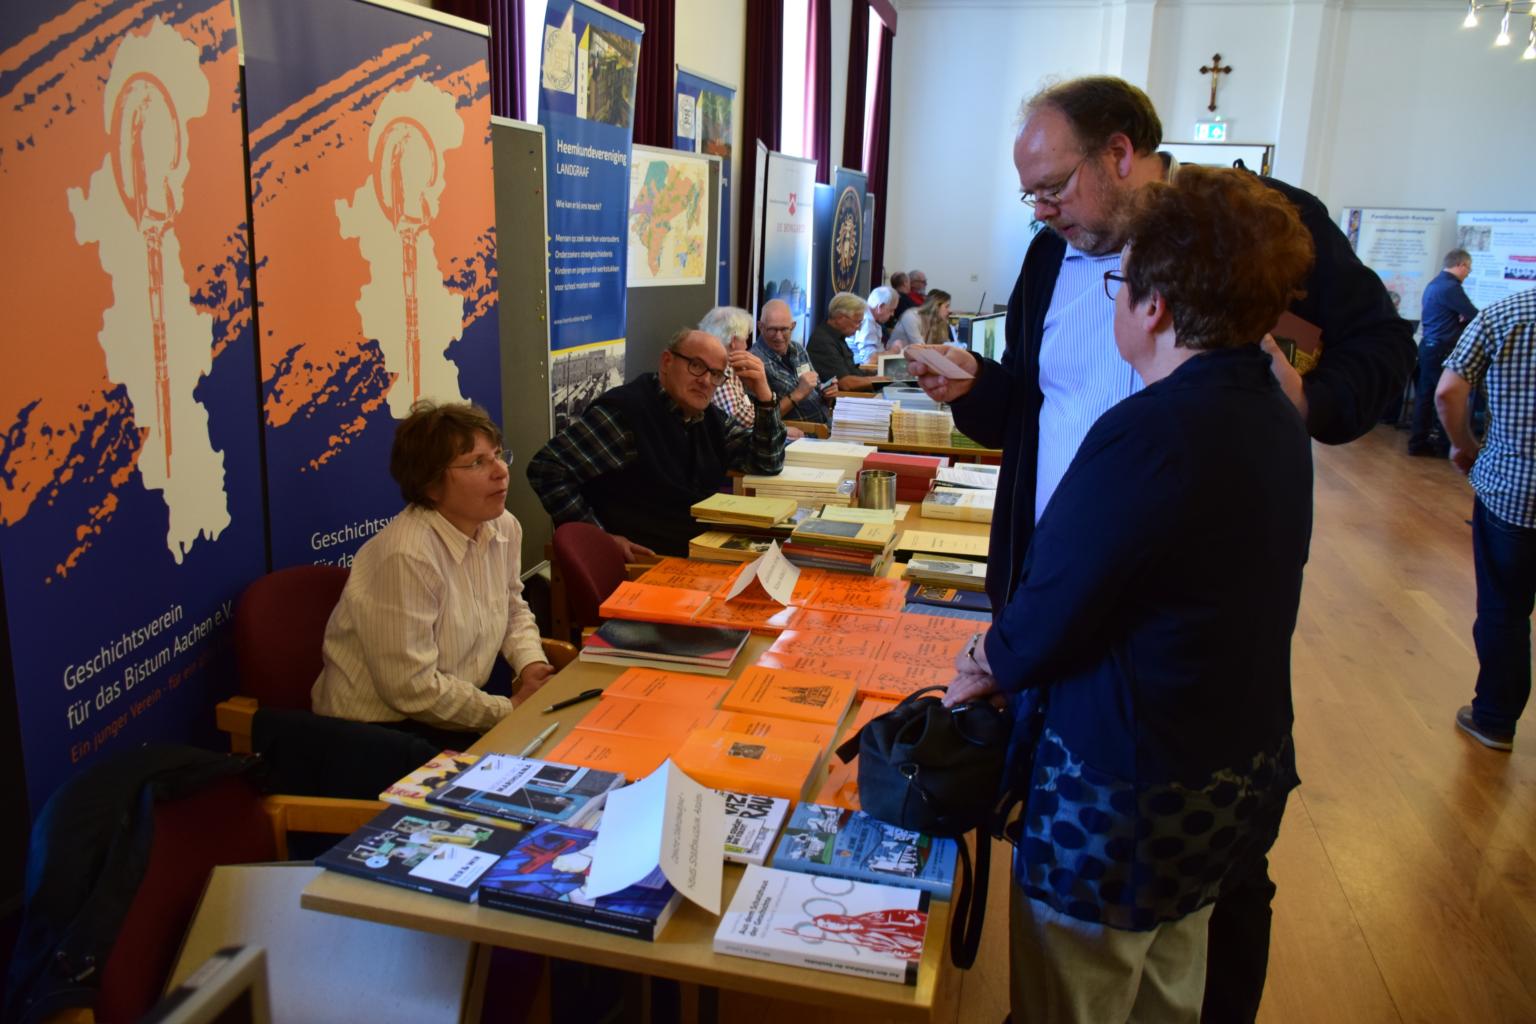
(711, 40)
(1369, 103)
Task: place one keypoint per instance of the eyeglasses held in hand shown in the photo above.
(483, 463)
(1113, 279)
(698, 368)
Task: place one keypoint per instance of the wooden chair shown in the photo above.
(808, 428)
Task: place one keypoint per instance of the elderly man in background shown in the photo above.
(876, 328)
(831, 357)
(796, 387)
(917, 286)
(644, 452)
(732, 326)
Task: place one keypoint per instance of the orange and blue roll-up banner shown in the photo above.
(130, 479)
(375, 250)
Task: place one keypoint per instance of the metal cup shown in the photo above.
(876, 489)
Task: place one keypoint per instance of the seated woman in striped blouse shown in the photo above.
(436, 595)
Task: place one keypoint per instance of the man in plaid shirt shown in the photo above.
(1498, 349)
(645, 451)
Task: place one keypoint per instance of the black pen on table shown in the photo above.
(583, 695)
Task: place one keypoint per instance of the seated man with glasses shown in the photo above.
(437, 594)
(796, 387)
(645, 451)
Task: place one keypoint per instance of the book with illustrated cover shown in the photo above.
(843, 843)
(748, 764)
(545, 876)
(831, 924)
(752, 823)
(527, 790)
(749, 724)
(876, 536)
(444, 856)
(762, 691)
(662, 645)
(412, 790)
(934, 595)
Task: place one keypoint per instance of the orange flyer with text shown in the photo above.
(806, 698)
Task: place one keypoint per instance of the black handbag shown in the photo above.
(939, 771)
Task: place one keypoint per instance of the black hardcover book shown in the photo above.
(444, 856)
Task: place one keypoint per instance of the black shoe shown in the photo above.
(1467, 723)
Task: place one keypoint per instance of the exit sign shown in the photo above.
(1210, 131)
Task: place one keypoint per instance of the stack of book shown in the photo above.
(821, 454)
(628, 642)
(719, 546)
(959, 440)
(646, 602)
(973, 476)
(914, 473)
(739, 510)
(862, 419)
(910, 396)
(947, 572)
(922, 426)
(820, 543)
(962, 503)
(809, 486)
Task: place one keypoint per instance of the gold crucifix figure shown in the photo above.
(1213, 69)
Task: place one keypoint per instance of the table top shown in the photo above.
(684, 951)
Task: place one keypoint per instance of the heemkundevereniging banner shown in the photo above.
(130, 487)
(586, 105)
(703, 114)
(788, 215)
(375, 246)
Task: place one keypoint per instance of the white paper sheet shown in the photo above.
(667, 820)
(773, 571)
(937, 361)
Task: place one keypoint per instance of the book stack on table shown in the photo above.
(817, 453)
(864, 420)
(822, 543)
(914, 473)
(738, 510)
(808, 486)
(922, 426)
(947, 572)
(959, 503)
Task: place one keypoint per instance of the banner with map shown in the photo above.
(130, 478)
(375, 243)
(704, 124)
(670, 217)
(586, 105)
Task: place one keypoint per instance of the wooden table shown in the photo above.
(684, 950)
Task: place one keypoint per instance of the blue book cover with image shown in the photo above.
(842, 843)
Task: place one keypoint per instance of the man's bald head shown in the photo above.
(776, 323)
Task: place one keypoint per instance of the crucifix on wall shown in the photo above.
(1213, 69)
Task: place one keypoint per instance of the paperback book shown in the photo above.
(412, 791)
(415, 851)
(545, 876)
(752, 823)
(843, 843)
(625, 642)
(830, 924)
(526, 790)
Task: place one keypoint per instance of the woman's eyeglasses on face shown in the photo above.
(1113, 279)
(484, 463)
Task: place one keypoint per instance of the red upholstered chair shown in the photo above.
(279, 629)
(591, 564)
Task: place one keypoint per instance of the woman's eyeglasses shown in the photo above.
(1113, 279)
(483, 463)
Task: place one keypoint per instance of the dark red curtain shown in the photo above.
(507, 48)
(820, 62)
(762, 95)
(880, 151)
(655, 82)
(858, 71)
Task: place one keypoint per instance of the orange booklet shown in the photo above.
(893, 680)
(916, 626)
(805, 698)
(865, 595)
(907, 651)
(831, 645)
(758, 616)
(688, 574)
(842, 786)
(645, 603)
(773, 727)
(630, 716)
(852, 669)
(814, 620)
(805, 585)
(669, 687)
(747, 764)
(634, 757)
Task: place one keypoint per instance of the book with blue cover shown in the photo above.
(434, 854)
(842, 843)
(545, 876)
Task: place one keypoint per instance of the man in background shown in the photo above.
(831, 357)
(796, 388)
(644, 452)
(732, 327)
(1085, 146)
(903, 289)
(1444, 311)
(1499, 350)
(918, 290)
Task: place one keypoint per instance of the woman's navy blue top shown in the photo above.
(1154, 616)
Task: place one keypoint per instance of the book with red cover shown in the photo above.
(924, 467)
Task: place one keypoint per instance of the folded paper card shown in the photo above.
(665, 820)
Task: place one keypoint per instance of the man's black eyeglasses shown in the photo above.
(698, 368)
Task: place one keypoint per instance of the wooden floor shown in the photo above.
(1406, 874)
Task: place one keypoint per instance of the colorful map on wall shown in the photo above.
(670, 216)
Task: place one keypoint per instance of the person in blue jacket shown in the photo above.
(1154, 615)
(1085, 148)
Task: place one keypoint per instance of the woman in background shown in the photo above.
(928, 324)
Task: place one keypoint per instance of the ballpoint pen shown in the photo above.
(538, 740)
(583, 695)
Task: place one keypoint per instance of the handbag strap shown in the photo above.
(969, 909)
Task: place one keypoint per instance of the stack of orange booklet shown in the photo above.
(639, 722)
(915, 651)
